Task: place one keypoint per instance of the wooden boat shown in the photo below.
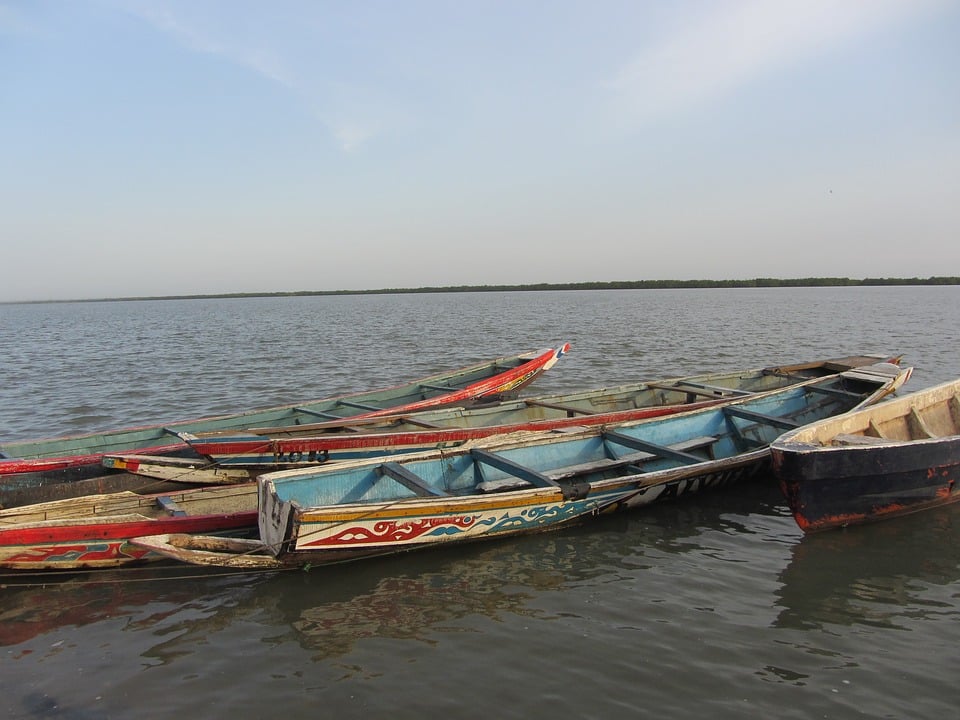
(94, 531)
(242, 456)
(526, 482)
(30, 470)
(894, 458)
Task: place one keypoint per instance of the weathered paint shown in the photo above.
(359, 509)
(97, 532)
(32, 463)
(830, 485)
(384, 518)
(451, 428)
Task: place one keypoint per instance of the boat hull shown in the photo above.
(895, 458)
(340, 532)
(874, 484)
(25, 465)
(95, 531)
(658, 460)
(531, 481)
(267, 449)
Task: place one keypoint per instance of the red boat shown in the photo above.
(38, 470)
(93, 531)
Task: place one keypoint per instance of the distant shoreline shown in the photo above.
(610, 285)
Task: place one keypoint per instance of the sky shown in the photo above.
(171, 147)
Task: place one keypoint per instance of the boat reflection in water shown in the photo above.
(884, 575)
(40, 606)
(328, 610)
(421, 596)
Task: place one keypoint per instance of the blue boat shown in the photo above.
(521, 483)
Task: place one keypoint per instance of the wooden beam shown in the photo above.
(646, 446)
(410, 480)
(360, 406)
(760, 417)
(571, 411)
(441, 388)
(512, 468)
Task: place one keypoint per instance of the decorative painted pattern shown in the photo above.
(94, 554)
(438, 528)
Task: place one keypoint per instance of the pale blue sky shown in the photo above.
(172, 147)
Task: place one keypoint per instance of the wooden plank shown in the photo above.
(441, 388)
(419, 423)
(637, 458)
(918, 425)
(359, 406)
(760, 417)
(715, 388)
(508, 466)
(837, 392)
(315, 413)
(176, 469)
(689, 390)
(954, 404)
(572, 471)
(646, 446)
(571, 411)
(875, 429)
(170, 505)
(410, 480)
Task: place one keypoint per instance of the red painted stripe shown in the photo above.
(97, 529)
(278, 446)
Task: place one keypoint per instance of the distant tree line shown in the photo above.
(608, 285)
(655, 285)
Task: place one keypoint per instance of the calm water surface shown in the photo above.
(715, 606)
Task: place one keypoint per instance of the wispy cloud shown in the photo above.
(197, 36)
(247, 45)
(733, 43)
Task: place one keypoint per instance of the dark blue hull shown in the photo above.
(835, 489)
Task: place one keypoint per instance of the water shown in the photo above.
(716, 605)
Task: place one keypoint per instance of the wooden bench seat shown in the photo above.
(571, 411)
(410, 480)
(572, 471)
(170, 505)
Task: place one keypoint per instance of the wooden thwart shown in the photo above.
(570, 410)
(170, 505)
(780, 422)
(837, 392)
(664, 451)
(315, 413)
(637, 459)
(509, 466)
(410, 480)
(918, 426)
(359, 406)
(441, 388)
(692, 388)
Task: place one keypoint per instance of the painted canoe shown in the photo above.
(894, 458)
(243, 456)
(29, 464)
(525, 482)
(94, 531)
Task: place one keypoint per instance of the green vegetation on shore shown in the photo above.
(609, 285)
